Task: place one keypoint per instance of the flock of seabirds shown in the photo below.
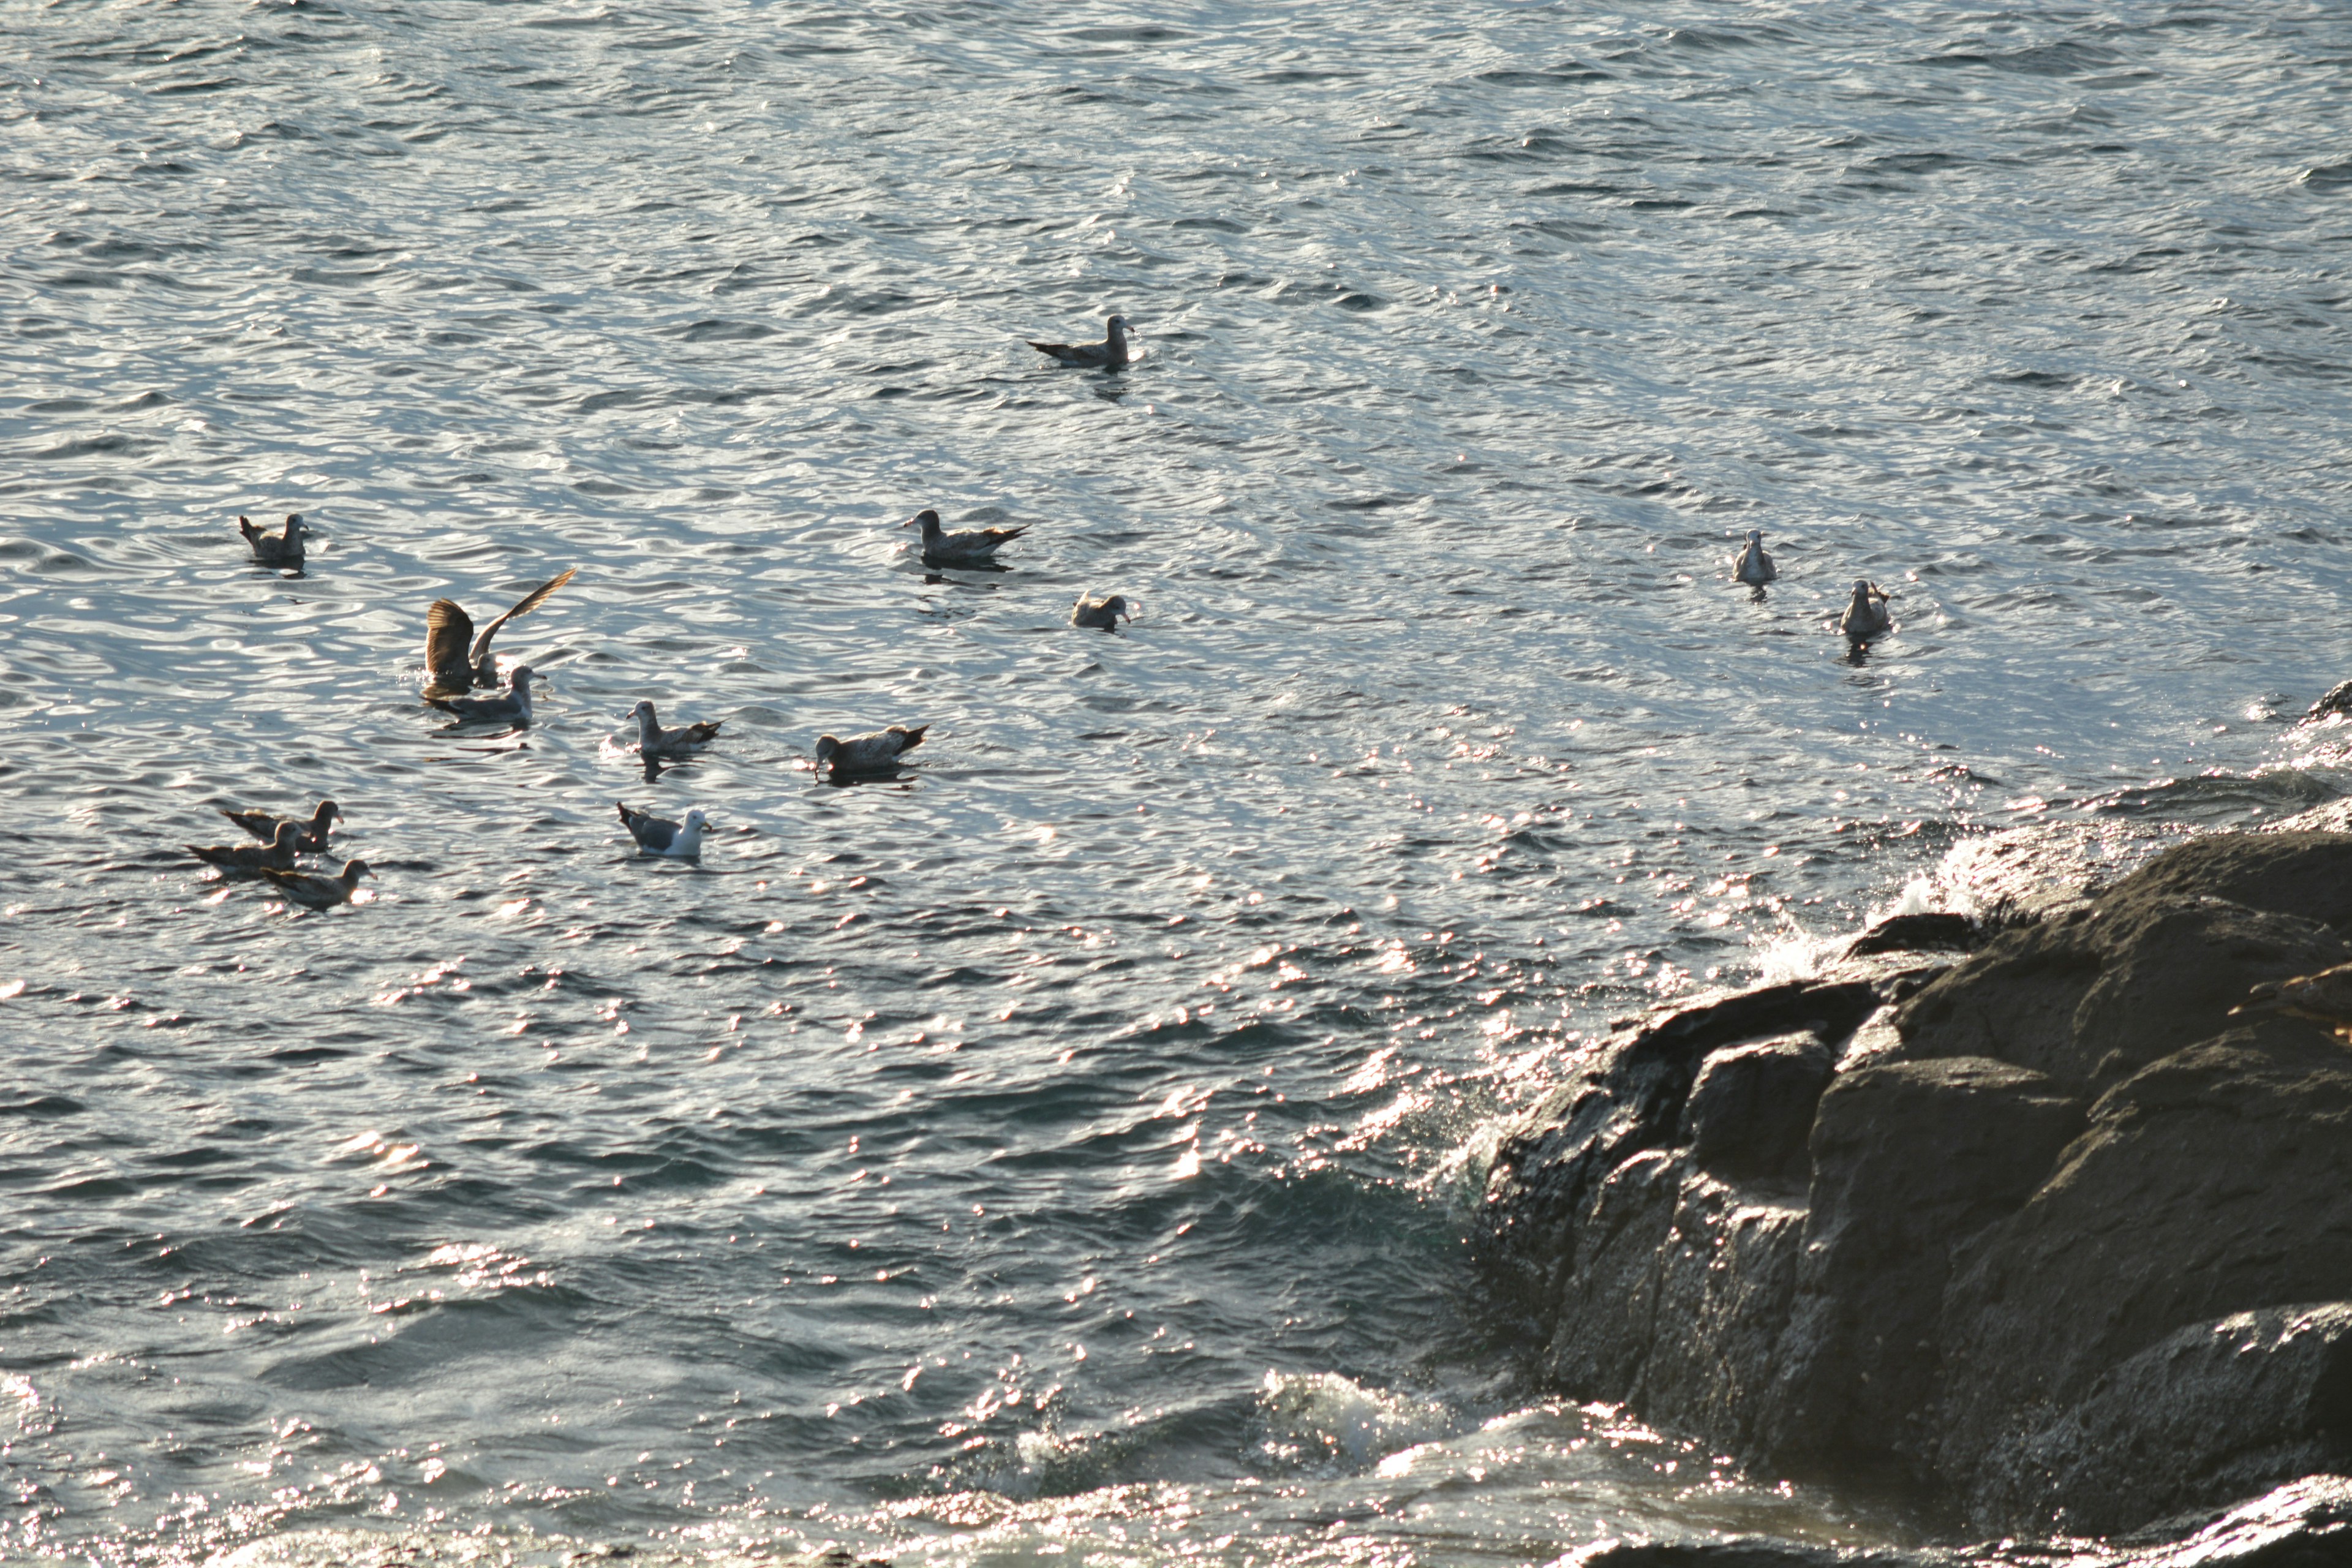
(458, 663)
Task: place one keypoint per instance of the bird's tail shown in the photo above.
(914, 737)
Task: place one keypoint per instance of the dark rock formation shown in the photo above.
(2046, 1232)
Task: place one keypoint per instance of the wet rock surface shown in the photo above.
(2047, 1235)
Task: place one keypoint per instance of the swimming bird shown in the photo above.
(307, 888)
(278, 854)
(1866, 613)
(681, 840)
(875, 752)
(309, 838)
(276, 549)
(965, 547)
(1100, 614)
(1753, 566)
(457, 660)
(653, 741)
(1108, 354)
(511, 706)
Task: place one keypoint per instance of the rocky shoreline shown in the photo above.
(2031, 1219)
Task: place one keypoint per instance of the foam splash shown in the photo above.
(1323, 1415)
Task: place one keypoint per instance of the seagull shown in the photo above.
(278, 854)
(276, 549)
(511, 706)
(653, 741)
(457, 660)
(309, 838)
(966, 547)
(307, 888)
(1865, 615)
(1753, 566)
(875, 752)
(681, 840)
(1100, 614)
(1108, 354)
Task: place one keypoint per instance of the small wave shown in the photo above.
(1323, 1417)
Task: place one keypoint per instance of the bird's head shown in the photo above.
(523, 676)
(827, 747)
(695, 821)
(927, 519)
(354, 869)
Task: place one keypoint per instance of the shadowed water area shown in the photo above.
(1067, 1147)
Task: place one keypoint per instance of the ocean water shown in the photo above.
(1065, 1149)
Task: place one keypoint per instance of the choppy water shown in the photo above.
(1067, 1150)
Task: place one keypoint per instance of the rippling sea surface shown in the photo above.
(1068, 1149)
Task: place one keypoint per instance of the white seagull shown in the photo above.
(680, 840)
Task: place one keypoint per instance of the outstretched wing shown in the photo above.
(447, 630)
(523, 606)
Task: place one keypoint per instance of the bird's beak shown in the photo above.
(908, 523)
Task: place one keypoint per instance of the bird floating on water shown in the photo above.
(276, 549)
(278, 854)
(511, 706)
(1100, 614)
(1866, 613)
(653, 741)
(317, 891)
(1111, 354)
(309, 838)
(1753, 566)
(655, 835)
(875, 752)
(965, 547)
(457, 660)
